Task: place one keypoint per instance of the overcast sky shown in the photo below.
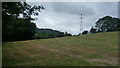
(65, 16)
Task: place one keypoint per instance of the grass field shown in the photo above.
(100, 49)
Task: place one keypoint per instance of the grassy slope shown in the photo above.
(0, 54)
(93, 49)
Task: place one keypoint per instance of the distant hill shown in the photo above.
(48, 33)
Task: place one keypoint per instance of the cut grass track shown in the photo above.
(100, 49)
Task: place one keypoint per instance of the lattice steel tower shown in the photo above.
(81, 23)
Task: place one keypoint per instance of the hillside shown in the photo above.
(89, 50)
(48, 33)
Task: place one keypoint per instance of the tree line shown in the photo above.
(49, 33)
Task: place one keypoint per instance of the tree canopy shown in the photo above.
(16, 20)
(106, 24)
(84, 32)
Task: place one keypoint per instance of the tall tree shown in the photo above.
(108, 23)
(93, 30)
(16, 27)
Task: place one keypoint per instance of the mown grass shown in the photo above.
(98, 49)
(0, 54)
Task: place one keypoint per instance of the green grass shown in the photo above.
(0, 54)
(100, 49)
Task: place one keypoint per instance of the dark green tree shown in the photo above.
(68, 34)
(84, 32)
(107, 24)
(15, 27)
(93, 30)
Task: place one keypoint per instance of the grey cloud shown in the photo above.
(65, 16)
(119, 9)
(106, 8)
(75, 8)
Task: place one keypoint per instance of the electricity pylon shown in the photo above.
(81, 24)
